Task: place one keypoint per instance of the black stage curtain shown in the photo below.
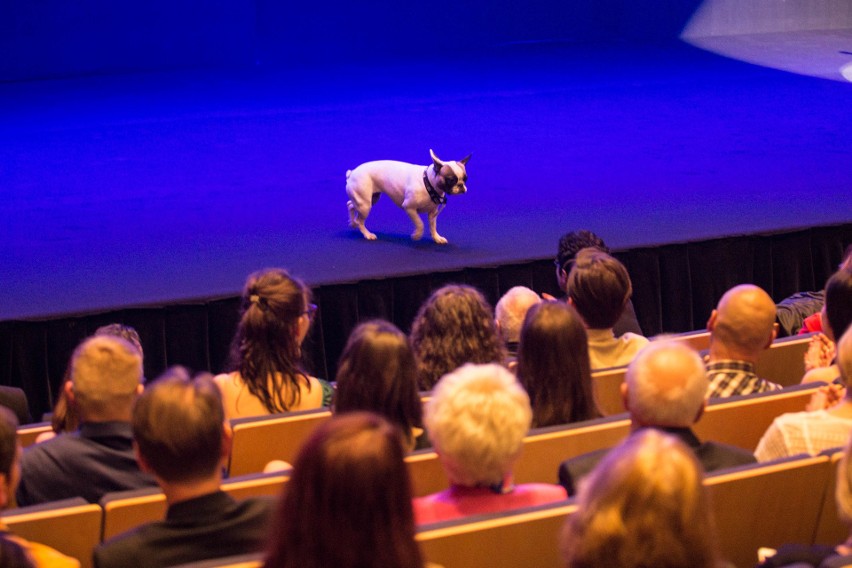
(675, 286)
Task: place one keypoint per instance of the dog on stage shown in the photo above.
(417, 189)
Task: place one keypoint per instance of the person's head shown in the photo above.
(179, 428)
(477, 419)
(665, 386)
(453, 327)
(844, 359)
(275, 317)
(511, 309)
(348, 503)
(837, 310)
(743, 323)
(553, 365)
(569, 245)
(643, 505)
(125, 332)
(106, 377)
(10, 456)
(843, 489)
(599, 288)
(377, 373)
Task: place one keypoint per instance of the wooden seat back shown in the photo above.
(830, 530)
(784, 361)
(606, 387)
(72, 527)
(28, 433)
(527, 538)
(259, 440)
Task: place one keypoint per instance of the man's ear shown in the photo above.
(227, 439)
(5, 491)
(773, 335)
(624, 397)
(711, 322)
(68, 388)
(700, 411)
(143, 465)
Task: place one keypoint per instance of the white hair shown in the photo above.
(477, 419)
(511, 310)
(666, 385)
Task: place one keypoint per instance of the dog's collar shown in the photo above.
(436, 197)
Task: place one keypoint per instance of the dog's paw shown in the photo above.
(416, 235)
(439, 239)
(370, 236)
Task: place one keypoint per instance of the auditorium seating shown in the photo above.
(830, 529)
(72, 526)
(784, 361)
(28, 433)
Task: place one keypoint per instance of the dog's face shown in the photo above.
(450, 177)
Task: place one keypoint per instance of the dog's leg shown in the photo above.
(418, 224)
(433, 227)
(357, 217)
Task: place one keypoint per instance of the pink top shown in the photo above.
(460, 501)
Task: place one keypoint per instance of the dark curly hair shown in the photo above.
(572, 243)
(266, 350)
(453, 327)
(553, 365)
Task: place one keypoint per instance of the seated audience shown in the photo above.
(267, 376)
(13, 548)
(453, 327)
(553, 365)
(15, 399)
(477, 419)
(813, 322)
(106, 378)
(643, 505)
(377, 373)
(819, 556)
(509, 314)
(837, 315)
(812, 432)
(599, 289)
(63, 418)
(348, 504)
(741, 327)
(664, 390)
(569, 245)
(183, 440)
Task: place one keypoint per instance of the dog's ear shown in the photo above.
(436, 160)
(464, 160)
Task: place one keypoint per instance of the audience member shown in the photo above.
(553, 365)
(377, 373)
(814, 321)
(803, 556)
(348, 504)
(15, 399)
(599, 288)
(741, 327)
(267, 376)
(14, 550)
(63, 418)
(509, 313)
(477, 419)
(836, 317)
(183, 440)
(664, 389)
(812, 432)
(643, 505)
(569, 245)
(453, 327)
(106, 378)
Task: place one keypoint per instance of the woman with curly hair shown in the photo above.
(643, 505)
(267, 376)
(453, 327)
(377, 373)
(348, 504)
(553, 365)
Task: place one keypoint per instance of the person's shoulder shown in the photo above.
(120, 549)
(574, 469)
(716, 455)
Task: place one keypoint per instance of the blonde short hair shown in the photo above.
(643, 505)
(477, 419)
(105, 368)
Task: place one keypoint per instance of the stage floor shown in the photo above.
(164, 187)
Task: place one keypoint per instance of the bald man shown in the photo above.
(509, 313)
(741, 327)
(663, 389)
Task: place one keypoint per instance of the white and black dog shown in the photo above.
(417, 189)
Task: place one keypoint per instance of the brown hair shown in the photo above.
(643, 505)
(266, 351)
(377, 373)
(8, 440)
(599, 287)
(838, 301)
(178, 426)
(553, 365)
(453, 327)
(348, 503)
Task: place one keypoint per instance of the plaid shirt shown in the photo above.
(733, 378)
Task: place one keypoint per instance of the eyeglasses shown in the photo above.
(311, 312)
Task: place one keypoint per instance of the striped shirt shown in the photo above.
(734, 378)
